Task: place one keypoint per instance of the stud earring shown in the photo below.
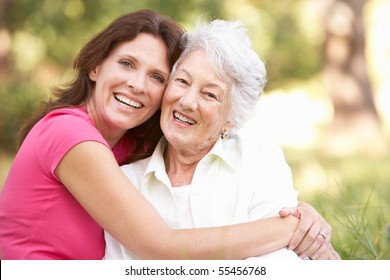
(224, 134)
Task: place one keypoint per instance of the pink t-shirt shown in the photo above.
(39, 218)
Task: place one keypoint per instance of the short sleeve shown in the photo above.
(58, 133)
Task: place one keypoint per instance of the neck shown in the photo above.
(111, 136)
(181, 164)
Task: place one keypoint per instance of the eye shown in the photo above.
(159, 78)
(181, 81)
(127, 64)
(211, 95)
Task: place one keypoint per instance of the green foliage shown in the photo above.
(294, 52)
(355, 202)
(21, 103)
(361, 225)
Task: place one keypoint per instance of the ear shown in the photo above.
(93, 74)
(228, 125)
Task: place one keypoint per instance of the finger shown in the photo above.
(335, 255)
(310, 242)
(323, 254)
(299, 234)
(284, 212)
(332, 254)
(324, 250)
(307, 217)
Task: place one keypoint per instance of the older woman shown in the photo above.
(202, 174)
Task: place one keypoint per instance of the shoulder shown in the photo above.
(69, 122)
(134, 171)
(64, 115)
(62, 129)
(137, 170)
(137, 166)
(255, 148)
(58, 132)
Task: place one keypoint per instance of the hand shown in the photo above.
(326, 252)
(312, 237)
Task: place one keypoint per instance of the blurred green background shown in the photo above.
(327, 102)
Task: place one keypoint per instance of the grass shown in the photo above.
(353, 194)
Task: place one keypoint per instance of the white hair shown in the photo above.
(230, 52)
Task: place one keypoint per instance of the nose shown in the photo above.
(189, 100)
(136, 81)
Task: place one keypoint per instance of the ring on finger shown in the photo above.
(323, 234)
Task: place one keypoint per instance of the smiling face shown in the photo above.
(195, 105)
(129, 85)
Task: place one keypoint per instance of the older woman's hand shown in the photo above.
(312, 238)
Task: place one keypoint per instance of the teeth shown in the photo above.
(127, 101)
(183, 118)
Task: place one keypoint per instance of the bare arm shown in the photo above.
(91, 174)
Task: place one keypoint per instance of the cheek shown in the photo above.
(216, 118)
(211, 122)
(224, 112)
(157, 93)
(155, 104)
(208, 133)
(157, 100)
(165, 115)
(171, 94)
(164, 105)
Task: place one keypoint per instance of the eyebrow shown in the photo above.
(208, 84)
(185, 72)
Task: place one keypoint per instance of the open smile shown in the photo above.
(183, 119)
(124, 100)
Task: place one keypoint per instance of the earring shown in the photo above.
(224, 134)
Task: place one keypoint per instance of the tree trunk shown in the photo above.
(356, 123)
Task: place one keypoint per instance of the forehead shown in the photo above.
(198, 66)
(145, 47)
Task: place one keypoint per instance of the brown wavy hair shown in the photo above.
(77, 92)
